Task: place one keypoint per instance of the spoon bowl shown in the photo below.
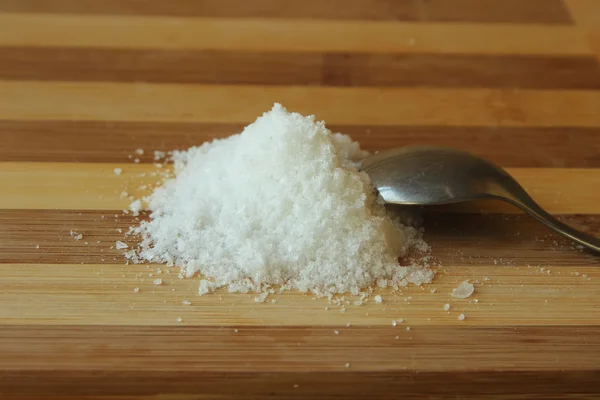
(437, 175)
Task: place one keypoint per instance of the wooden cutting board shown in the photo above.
(85, 83)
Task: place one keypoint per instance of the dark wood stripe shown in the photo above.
(456, 239)
(512, 11)
(312, 69)
(99, 141)
(231, 385)
(440, 362)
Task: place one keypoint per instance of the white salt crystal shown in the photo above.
(37, 246)
(157, 282)
(120, 245)
(186, 302)
(378, 299)
(461, 317)
(394, 323)
(347, 365)
(118, 171)
(464, 290)
(135, 207)
(281, 203)
(159, 155)
(446, 307)
(75, 235)
(336, 332)
(205, 287)
(178, 319)
(136, 289)
(139, 152)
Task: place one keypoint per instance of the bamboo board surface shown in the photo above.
(85, 83)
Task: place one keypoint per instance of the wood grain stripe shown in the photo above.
(309, 69)
(514, 11)
(587, 15)
(104, 294)
(127, 32)
(92, 186)
(27, 100)
(99, 141)
(456, 240)
(168, 349)
(414, 385)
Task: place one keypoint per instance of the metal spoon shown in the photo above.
(435, 175)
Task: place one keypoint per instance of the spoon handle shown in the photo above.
(527, 204)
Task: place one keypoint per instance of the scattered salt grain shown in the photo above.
(464, 290)
(378, 299)
(446, 307)
(75, 235)
(186, 302)
(394, 323)
(157, 282)
(178, 319)
(336, 332)
(347, 365)
(408, 328)
(136, 289)
(461, 317)
(139, 152)
(118, 171)
(37, 246)
(120, 245)
(289, 206)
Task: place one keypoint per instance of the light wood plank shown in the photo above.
(26, 100)
(95, 31)
(587, 16)
(298, 350)
(104, 295)
(92, 186)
